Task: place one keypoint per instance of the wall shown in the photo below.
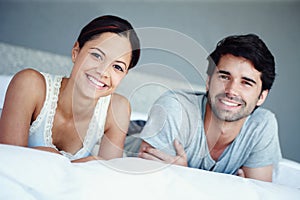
(54, 26)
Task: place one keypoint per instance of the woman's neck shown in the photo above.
(73, 104)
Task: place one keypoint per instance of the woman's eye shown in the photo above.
(97, 55)
(118, 67)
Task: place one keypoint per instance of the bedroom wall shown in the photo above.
(54, 26)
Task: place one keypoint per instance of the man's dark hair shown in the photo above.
(250, 47)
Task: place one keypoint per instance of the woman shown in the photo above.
(70, 116)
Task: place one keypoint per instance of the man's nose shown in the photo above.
(232, 88)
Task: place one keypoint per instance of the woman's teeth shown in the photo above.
(95, 81)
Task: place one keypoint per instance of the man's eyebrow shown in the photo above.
(249, 79)
(98, 50)
(245, 78)
(223, 72)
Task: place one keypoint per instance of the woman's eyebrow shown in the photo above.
(119, 61)
(98, 50)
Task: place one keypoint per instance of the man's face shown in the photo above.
(234, 89)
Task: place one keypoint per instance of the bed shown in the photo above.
(31, 174)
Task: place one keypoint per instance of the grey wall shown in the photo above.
(54, 26)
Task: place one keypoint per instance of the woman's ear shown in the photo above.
(262, 97)
(75, 51)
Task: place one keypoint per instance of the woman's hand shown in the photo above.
(49, 149)
(86, 159)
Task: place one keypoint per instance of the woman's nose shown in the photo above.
(103, 70)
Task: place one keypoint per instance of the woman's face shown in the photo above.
(101, 64)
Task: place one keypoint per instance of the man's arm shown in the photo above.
(150, 153)
(261, 173)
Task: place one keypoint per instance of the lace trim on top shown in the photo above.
(95, 131)
(96, 125)
(45, 107)
(51, 109)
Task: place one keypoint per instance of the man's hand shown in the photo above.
(241, 173)
(150, 153)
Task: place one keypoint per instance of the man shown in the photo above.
(224, 130)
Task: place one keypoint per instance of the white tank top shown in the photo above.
(40, 132)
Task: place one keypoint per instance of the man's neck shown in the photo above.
(219, 133)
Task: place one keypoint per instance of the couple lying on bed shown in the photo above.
(223, 130)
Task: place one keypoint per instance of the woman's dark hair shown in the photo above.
(250, 47)
(113, 24)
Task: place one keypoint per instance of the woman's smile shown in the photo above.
(100, 85)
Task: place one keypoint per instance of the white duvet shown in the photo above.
(31, 174)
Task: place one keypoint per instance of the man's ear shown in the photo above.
(207, 83)
(262, 97)
(75, 51)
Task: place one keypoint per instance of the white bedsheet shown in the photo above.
(31, 174)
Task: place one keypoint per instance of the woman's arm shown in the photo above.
(117, 122)
(24, 97)
(86, 159)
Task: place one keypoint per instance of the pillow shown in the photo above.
(138, 116)
(287, 173)
(4, 81)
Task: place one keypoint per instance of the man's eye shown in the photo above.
(224, 77)
(98, 56)
(248, 83)
(118, 67)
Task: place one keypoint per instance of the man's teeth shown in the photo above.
(93, 80)
(229, 103)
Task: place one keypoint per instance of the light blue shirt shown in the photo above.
(180, 115)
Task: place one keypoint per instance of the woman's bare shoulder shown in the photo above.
(119, 107)
(119, 100)
(119, 97)
(28, 75)
(28, 81)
